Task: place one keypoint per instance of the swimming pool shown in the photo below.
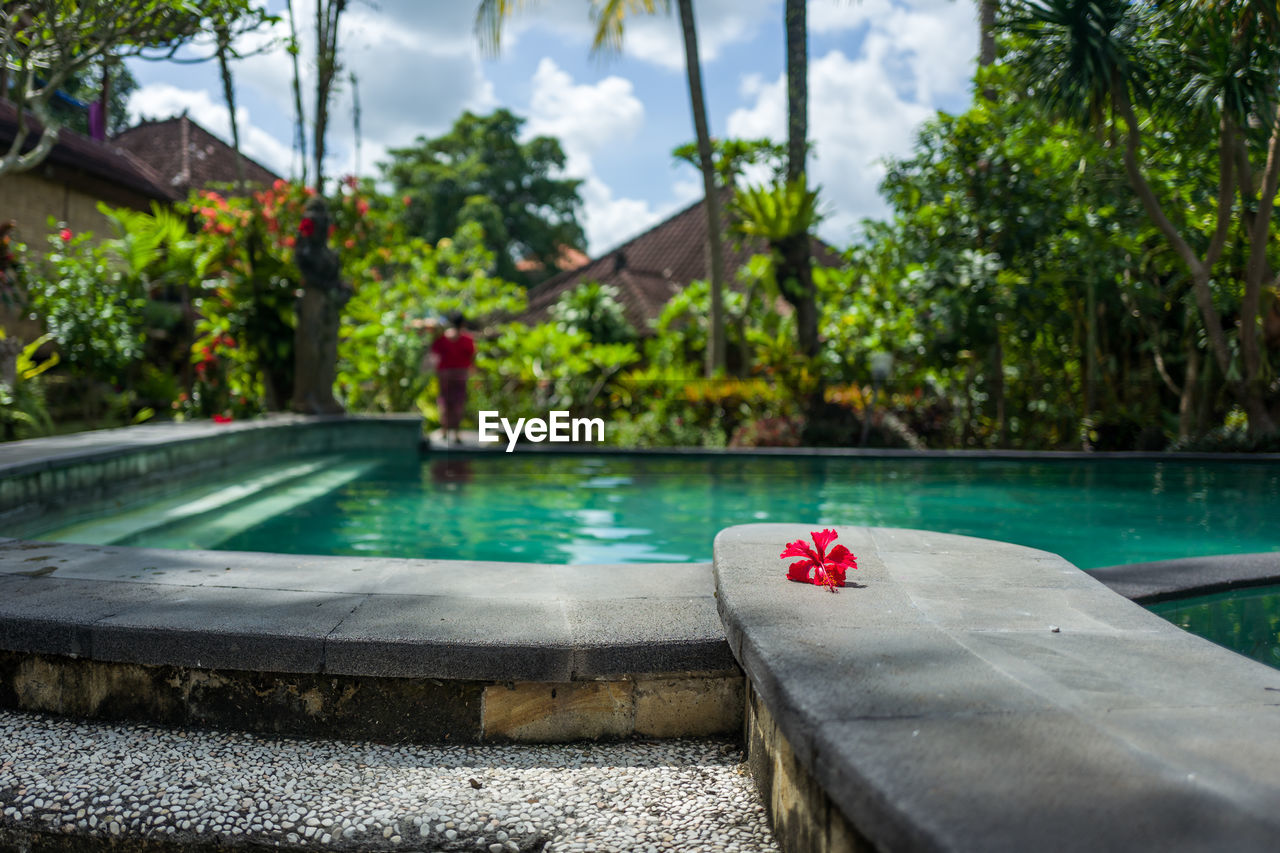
(667, 508)
(1244, 620)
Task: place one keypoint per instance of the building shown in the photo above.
(651, 268)
(78, 174)
(188, 157)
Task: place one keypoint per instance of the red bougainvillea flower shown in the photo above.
(65, 234)
(819, 566)
(307, 227)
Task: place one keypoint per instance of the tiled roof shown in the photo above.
(93, 157)
(653, 267)
(569, 259)
(188, 156)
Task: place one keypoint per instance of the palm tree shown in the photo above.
(794, 274)
(610, 17)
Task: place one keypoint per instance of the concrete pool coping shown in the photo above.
(1164, 580)
(358, 616)
(975, 695)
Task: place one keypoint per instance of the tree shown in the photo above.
(299, 115)
(480, 172)
(44, 43)
(1098, 63)
(610, 17)
(328, 15)
(794, 273)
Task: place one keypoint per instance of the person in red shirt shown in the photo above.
(453, 353)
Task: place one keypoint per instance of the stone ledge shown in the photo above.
(1166, 579)
(359, 617)
(974, 695)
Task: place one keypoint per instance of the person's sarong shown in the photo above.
(453, 397)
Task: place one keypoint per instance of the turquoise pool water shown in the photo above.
(627, 509)
(1244, 620)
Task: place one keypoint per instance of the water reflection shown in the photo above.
(1245, 621)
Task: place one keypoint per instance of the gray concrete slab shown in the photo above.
(656, 634)
(47, 615)
(443, 636)
(1027, 707)
(418, 618)
(257, 630)
(1166, 579)
(1047, 781)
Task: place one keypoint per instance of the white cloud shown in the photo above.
(417, 66)
(657, 39)
(160, 100)
(932, 41)
(866, 108)
(584, 117)
(588, 118)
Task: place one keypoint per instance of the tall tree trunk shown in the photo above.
(355, 118)
(229, 94)
(997, 388)
(1091, 350)
(1190, 383)
(987, 32)
(711, 201)
(796, 255)
(797, 88)
(300, 117)
(328, 14)
(987, 39)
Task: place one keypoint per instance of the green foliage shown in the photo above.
(1198, 150)
(381, 351)
(593, 309)
(480, 172)
(1085, 51)
(732, 158)
(776, 212)
(23, 413)
(90, 306)
(532, 370)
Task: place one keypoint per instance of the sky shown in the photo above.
(878, 68)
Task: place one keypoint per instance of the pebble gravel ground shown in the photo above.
(118, 781)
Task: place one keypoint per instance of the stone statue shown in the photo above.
(319, 312)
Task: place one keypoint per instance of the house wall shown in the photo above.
(30, 198)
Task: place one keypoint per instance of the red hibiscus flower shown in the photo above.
(307, 227)
(819, 566)
(65, 234)
(222, 419)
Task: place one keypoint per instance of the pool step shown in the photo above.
(203, 519)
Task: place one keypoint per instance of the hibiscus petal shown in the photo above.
(799, 571)
(842, 556)
(799, 548)
(836, 573)
(823, 539)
